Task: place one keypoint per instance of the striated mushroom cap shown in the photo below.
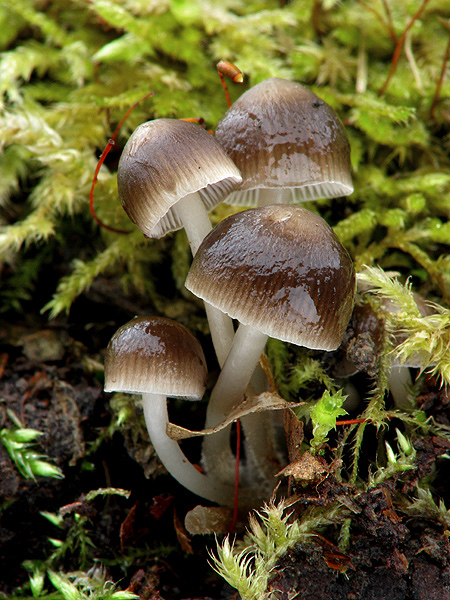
(155, 355)
(280, 134)
(280, 269)
(165, 160)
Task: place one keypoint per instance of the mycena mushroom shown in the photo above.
(171, 173)
(159, 358)
(289, 145)
(281, 272)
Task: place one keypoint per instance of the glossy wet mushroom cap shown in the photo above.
(158, 357)
(164, 161)
(279, 269)
(280, 134)
(155, 355)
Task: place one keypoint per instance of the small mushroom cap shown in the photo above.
(155, 355)
(280, 269)
(165, 160)
(280, 134)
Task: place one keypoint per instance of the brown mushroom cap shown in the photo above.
(280, 134)
(155, 355)
(165, 160)
(280, 269)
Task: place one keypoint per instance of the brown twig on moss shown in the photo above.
(387, 23)
(399, 46)
(446, 24)
(101, 160)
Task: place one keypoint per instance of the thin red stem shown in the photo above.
(231, 71)
(236, 476)
(388, 26)
(101, 160)
(225, 87)
(399, 46)
(441, 80)
(351, 421)
(390, 23)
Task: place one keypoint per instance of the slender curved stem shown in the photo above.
(246, 349)
(197, 225)
(195, 219)
(269, 196)
(196, 222)
(172, 457)
(400, 383)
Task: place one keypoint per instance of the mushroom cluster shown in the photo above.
(276, 268)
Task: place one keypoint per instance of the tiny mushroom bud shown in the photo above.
(289, 145)
(157, 357)
(280, 271)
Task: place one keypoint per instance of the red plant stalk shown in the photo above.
(441, 78)
(101, 160)
(229, 70)
(399, 46)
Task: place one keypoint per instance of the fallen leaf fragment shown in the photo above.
(253, 404)
(334, 558)
(182, 535)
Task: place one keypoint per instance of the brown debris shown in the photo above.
(182, 535)
(145, 583)
(306, 468)
(293, 428)
(334, 558)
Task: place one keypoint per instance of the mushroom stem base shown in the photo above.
(172, 457)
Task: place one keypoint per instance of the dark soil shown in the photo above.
(377, 572)
(50, 379)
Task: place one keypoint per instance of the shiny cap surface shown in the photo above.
(280, 269)
(165, 160)
(155, 355)
(280, 134)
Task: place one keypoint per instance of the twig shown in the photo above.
(387, 24)
(442, 75)
(236, 477)
(399, 46)
(101, 160)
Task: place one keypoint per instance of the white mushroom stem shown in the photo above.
(196, 223)
(234, 378)
(172, 457)
(195, 219)
(400, 384)
(269, 196)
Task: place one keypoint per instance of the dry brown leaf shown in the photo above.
(182, 535)
(334, 558)
(253, 404)
(294, 435)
